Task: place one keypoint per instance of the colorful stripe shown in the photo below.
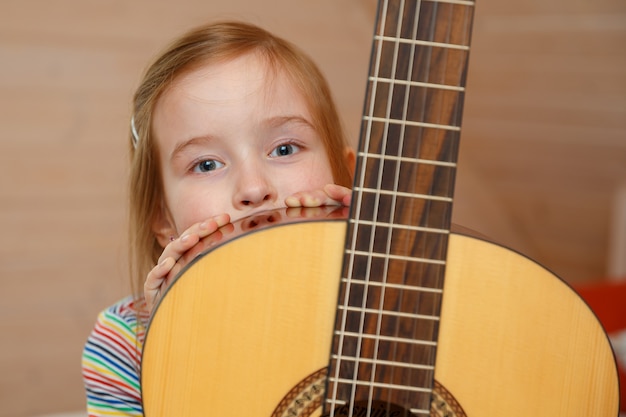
(111, 362)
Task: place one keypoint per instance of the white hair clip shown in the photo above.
(134, 130)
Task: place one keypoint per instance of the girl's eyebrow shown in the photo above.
(279, 121)
(272, 122)
(195, 141)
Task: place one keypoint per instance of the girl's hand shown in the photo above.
(160, 277)
(330, 195)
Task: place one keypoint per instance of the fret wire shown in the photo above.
(403, 194)
(411, 123)
(381, 385)
(393, 286)
(417, 84)
(361, 336)
(397, 257)
(459, 2)
(423, 43)
(401, 226)
(383, 362)
(335, 402)
(407, 159)
(391, 313)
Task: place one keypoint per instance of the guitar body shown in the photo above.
(246, 330)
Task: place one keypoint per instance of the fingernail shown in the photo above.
(224, 219)
(311, 202)
(184, 238)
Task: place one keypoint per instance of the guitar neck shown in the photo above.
(385, 337)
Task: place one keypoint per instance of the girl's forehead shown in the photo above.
(237, 77)
(247, 87)
(250, 66)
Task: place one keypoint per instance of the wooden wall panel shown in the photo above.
(543, 148)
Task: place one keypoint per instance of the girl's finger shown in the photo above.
(154, 283)
(331, 194)
(314, 198)
(211, 225)
(191, 236)
(338, 193)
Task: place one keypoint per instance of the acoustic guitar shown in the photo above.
(389, 312)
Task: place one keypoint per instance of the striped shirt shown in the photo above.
(111, 361)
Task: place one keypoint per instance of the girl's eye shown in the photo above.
(285, 150)
(208, 165)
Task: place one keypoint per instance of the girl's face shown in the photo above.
(233, 140)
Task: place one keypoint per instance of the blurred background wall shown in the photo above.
(542, 163)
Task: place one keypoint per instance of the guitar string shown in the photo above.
(372, 237)
(428, 356)
(402, 138)
(419, 142)
(427, 206)
(357, 209)
(373, 232)
(454, 122)
(374, 229)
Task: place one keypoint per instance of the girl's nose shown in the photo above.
(253, 190)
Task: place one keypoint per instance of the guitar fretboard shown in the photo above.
(385, 338)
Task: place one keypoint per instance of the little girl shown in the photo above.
(229, 121)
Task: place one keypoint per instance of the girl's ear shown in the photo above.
(163, 227)
(350, 156)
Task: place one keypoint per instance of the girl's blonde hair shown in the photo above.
(204, 45)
